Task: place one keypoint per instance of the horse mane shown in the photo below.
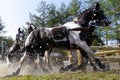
(85, 17)
(85, 11)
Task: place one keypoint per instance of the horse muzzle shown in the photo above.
(105, 22)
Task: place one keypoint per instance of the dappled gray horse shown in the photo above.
(67, 35)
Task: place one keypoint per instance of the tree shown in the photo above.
(112, 9)
(74, 8)
(62, 14)
(1, 27)
(116, 18)
(42, 18)
(9, 40)
(52, 16)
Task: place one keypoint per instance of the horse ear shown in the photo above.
(97, 7)
(19, 29)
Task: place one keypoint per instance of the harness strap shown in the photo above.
(80, 29)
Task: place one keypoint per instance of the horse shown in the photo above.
(44, 59)
(68, 34)
(16, 49)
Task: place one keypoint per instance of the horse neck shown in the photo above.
(85, 17)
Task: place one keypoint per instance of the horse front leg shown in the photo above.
(48, 59)
(90, 53)
(7, 58)
(93, 60)
(40, 63)
(37, 62)
(20, 64)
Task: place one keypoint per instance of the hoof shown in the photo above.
(16, 73)
(106, 67)
(62, 70)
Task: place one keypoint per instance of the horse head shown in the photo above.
(99, 16)
(31, 27)
(19, 42)
(94, 13)
(20, 35)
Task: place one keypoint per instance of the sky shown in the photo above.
(15, 13)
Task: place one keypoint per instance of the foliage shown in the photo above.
(8, 40)
(41, 19)
(51, 16)
(112, 9)
(74, 8)
(1, 27)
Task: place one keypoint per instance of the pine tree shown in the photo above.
(42, 17)
(1, 27)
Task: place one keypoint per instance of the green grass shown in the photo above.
(109, 75)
